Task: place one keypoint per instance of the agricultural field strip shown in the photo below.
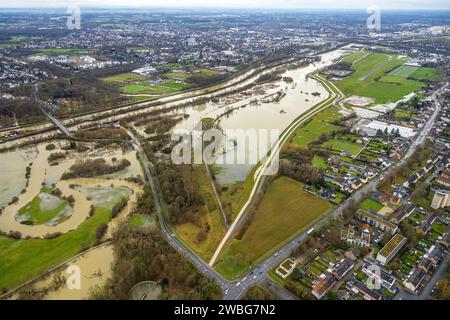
(285, 135)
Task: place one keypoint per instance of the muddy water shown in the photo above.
(95, 268)
(12, 173)
(43, 173)
(272, 115)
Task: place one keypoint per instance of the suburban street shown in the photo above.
(259, 272)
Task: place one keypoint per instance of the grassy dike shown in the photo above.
(232, 261)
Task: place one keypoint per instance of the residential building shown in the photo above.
(350, 235)
(413, 282)
(441, 199)
(376, 221)
(324, 285)
(286, 268)
(367, 293)
(344, 266)
(388, 252)
(383, 277)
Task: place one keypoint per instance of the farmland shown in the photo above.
(284, 211)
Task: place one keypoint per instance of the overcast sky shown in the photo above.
(324, 4)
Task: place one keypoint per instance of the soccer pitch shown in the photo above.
(403, 71)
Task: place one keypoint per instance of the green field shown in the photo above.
(163, 88)
(403, 71)
(370, 205)
(64, 51)
(39, 211)
(355, 56)
(429, 74)
(319, 162)
(125, 77)
(320, 124)
(284, 211)
(373, 78)
(418, 73)
(21, 260)
(343, 145)
(179, 75)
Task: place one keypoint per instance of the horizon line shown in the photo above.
(223, 8)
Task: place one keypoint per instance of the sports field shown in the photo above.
(403, 71)
(418, 73)
(377, 76)
(284, 211)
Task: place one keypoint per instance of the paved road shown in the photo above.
(259, 272)
(169, 235)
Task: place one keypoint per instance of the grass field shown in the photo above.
(370, 205)
(163, 88)
(237, 194)
(319, 162)
(354, 57)
(176, 75)
(403, 71)
(211, 217)
(429, 74)
(59, 51)
(21, 260)
(39, 211)
(320, 124)
(343, 145)
(284, 210)
(125, 77)
(373, 78)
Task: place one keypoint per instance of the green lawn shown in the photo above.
(284, 211)
(321, 123)
(21, 260)
(36, 211)
(425, 74)
(439, 227)
(370, 205)
(319, 162)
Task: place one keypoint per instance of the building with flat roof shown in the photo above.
(285, 268)
(388, 252)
